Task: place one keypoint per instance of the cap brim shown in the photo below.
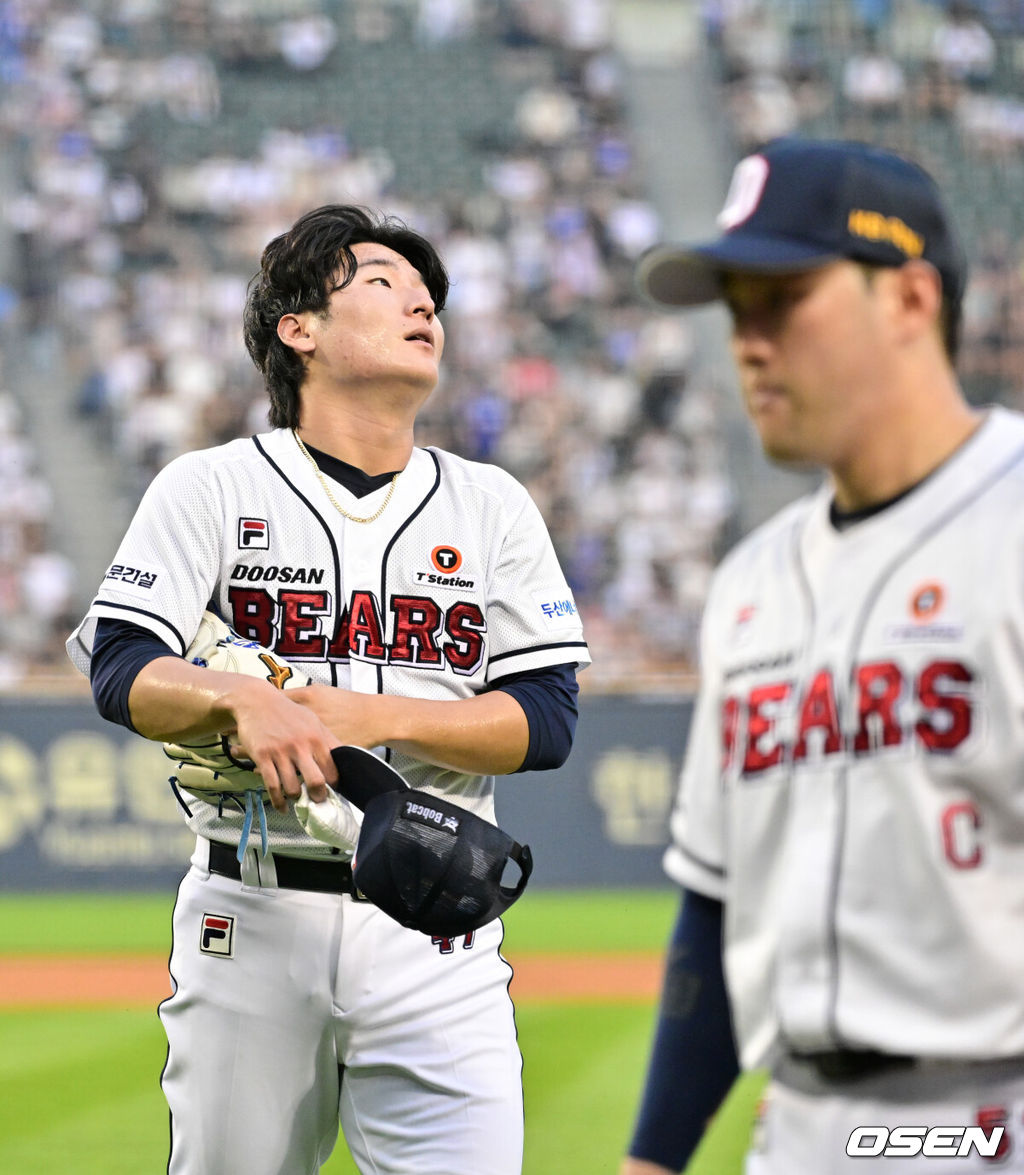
(675, 275)
(361, 775)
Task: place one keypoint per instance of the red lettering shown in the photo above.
(759, 757)
(339, 650)
(730, 729)
(300, 624)
(878, 690)
(960, 824)
(446, 945)
(465, 625)
(365, 630)
(252, 614)
(819, 712)
(954, 707)
(417, 627)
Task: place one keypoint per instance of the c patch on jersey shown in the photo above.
(217, 935)
(254, 534)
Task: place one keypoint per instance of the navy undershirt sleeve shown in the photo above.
(693, 1059)
(548, 698)
(119, 651)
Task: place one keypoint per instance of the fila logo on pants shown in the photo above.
(218, 935)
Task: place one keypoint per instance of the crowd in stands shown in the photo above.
(138, 260)
(37, 581)
(136, 257)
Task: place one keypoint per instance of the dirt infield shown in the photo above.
(36, 981)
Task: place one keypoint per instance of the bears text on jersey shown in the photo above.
(422, 633)
(890, 708)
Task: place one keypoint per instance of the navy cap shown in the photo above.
(426, 861)
(800, 203)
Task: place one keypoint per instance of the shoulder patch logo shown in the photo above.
(254, 534)
(557, 610)
(218, 935)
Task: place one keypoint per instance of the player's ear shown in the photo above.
(919, 289)
(293, 331)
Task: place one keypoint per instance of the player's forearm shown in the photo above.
(485, 735)
(171, 700)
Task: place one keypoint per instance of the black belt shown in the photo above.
(851, 1064)
(292, 872)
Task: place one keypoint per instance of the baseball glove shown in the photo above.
(206, 769)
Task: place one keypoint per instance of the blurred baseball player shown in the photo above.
(850, 821)
(421, 595)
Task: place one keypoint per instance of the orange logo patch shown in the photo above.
(927, 601)
(446, 559)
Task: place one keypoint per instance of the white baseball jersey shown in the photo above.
(854, 784)
(454, 586)
(280, 989)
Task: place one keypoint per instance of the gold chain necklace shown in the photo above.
(327, 489)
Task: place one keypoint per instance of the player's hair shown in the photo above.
(299, 270)
(950, 319)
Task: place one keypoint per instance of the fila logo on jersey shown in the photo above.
(933, 709)
(217, 936)
(254, 534)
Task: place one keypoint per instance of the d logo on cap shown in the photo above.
(741, 201)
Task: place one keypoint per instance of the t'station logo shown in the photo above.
(217, 936)
(254, 534)
(446, 559)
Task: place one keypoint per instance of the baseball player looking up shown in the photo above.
(849, 828)
(421, 595)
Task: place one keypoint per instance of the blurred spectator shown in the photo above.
(37, 582)
(873, 82)
(962, 46)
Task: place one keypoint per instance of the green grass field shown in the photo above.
(79, 1092)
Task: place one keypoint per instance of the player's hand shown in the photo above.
(288, 743)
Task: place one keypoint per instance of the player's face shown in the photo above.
(808, 348)
(380, 328)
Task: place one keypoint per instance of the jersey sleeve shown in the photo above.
(532, 618)
(695, 857)
(163, 574)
